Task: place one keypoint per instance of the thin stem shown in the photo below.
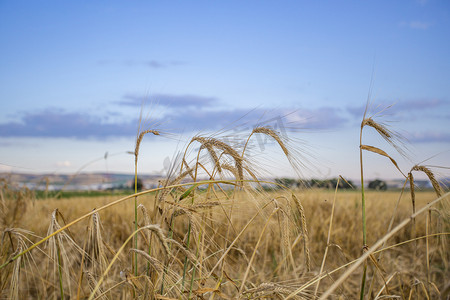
(58, 252)
(166, 263)
(363, 208)
(135, 220)
(193, 273)
(186, 258)
(363, 282)
(80, 277)
(113, 260)
(189, 230)
(328, 238)
(363, 200)
(244, 278)
(427, 232)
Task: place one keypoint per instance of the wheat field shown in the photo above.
(214, 230)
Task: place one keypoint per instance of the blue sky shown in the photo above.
(74, 75)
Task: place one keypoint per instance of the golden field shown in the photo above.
(270, 250)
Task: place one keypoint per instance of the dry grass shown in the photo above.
(226, 238)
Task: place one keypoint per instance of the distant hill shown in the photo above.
(82, 181)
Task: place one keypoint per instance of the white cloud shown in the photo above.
(63, 164)
(419, 25)
(422, 2)
(5, 168)
(429, 137)
(416, 25)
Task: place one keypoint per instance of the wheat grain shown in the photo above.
(270, 132)
(382, 153)
(411, 188)
(145, 214)
(267, 288)
(431, 177)
(159, 233)
(381, 129)
(139, 140)
(96, 246)
(211, 143)
(155, 263)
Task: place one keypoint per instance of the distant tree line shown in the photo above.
(139, 184)
(315, 183)
(378, 185)
(328, 183)
(331, 184)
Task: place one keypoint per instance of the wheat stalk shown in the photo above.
(391, 138)
(139, 138)
(304, 231)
